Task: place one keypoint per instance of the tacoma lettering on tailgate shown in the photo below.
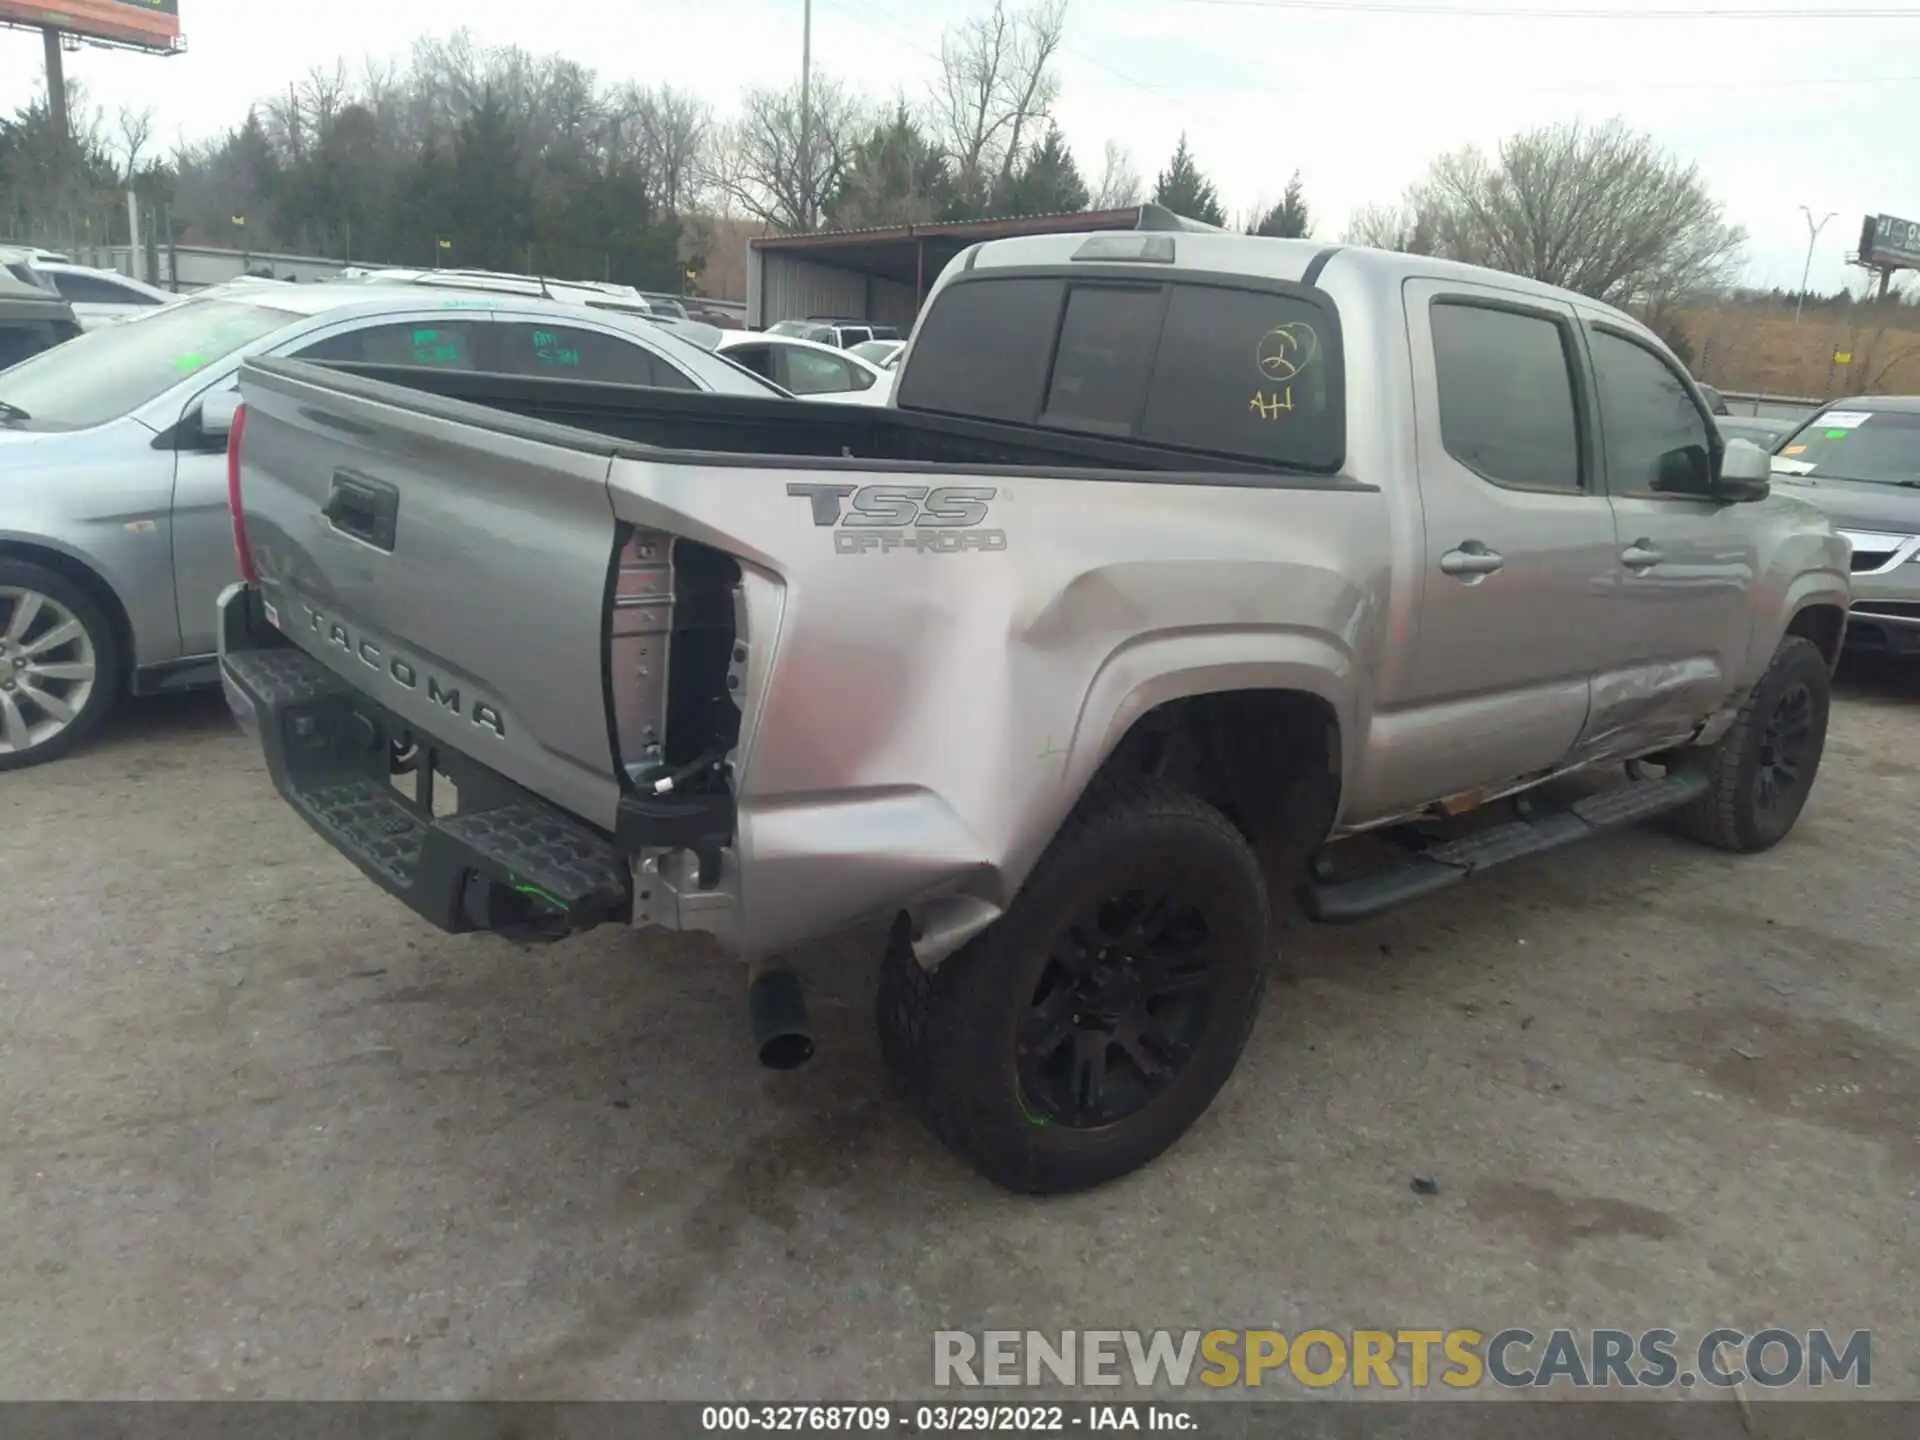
(406, 674)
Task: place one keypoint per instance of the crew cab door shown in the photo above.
(1518, 557)
(1686, 561)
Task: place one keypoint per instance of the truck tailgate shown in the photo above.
(447, 560)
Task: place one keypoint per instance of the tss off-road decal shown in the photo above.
(945, 519)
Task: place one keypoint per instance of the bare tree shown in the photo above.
(1597, 209)
(1120, 184)
(668, 131)
(322, 95)
(997, 86)
(757, 160)
(1403, 227)
(135, 134)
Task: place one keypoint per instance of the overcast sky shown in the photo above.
(1777, 112)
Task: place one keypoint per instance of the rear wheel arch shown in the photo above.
(102, 593)
(1271, 759)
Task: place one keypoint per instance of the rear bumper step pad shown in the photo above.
(1453, 862)
(507, 861)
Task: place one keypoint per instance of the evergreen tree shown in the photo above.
(491, 218)
(1289, 220)
(1185, 191)
(1046, 182)
(896, 176)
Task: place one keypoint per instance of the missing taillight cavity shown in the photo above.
(703, 712)
(242, 551)
(672, 667)
(639, 628)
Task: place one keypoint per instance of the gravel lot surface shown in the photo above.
(268, 1135)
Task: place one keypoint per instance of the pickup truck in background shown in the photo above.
(1177, 559)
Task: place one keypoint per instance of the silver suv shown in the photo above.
(828, 330)
(1859, 460)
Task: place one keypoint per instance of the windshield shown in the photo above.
(104, 374)
(1881, 447)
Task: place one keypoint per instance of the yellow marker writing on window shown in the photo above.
(1271, 407)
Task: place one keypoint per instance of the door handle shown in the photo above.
(365, 509)
(1642, 554)
(1471, 559)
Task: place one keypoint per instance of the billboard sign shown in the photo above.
(1890, 243)
(146, 24)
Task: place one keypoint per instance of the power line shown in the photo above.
(1560, 12)
(863, 16)
(1577, 87)
(1187, 104)
(866, 17)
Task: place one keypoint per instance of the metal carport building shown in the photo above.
(882, 275)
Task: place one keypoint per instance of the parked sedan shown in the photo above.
(102, 297)
(809, 370)
(115, 536)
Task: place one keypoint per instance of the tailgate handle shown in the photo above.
(365, 509)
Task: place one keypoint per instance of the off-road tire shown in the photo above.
(949, 1034)
(100, 636)
(1731, 815)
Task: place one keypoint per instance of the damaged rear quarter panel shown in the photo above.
(925, 716)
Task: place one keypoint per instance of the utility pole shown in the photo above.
(1813, 234)
(56, 84)
(806, 116)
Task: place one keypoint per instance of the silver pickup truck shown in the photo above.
(1177, 558)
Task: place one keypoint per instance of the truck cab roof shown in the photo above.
(1251, 257)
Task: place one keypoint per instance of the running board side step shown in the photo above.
(1453, 862)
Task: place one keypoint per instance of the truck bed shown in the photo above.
(753, 429)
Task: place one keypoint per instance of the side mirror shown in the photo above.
(1745, 473)
(1686, 470)
(214, 417)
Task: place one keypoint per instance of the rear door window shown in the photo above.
(93, 290)
(1506, 395)
(757, 358)
(807, 372)
(417, 344)
(569, 352)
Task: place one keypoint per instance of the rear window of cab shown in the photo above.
(1249, 370)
